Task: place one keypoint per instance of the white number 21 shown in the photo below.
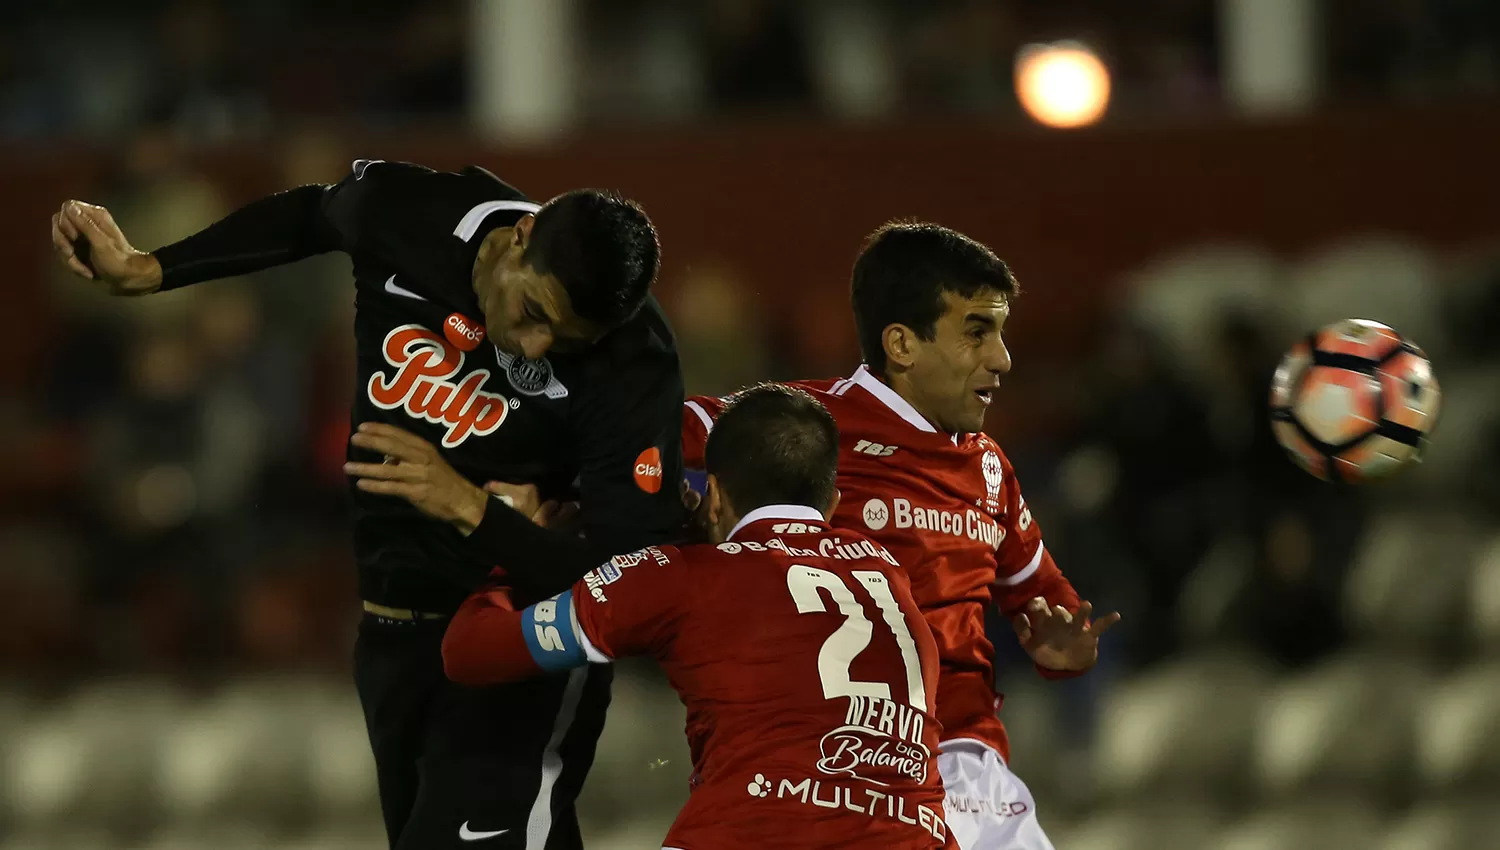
(853, 635)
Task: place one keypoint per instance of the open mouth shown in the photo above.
(985, 395)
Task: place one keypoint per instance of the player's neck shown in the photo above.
(904, 388)
(491, 251)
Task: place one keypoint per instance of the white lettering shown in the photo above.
(549, 638)
(902, 509)
(799, 790)
(831, 804)
(887, 717)
(901, 812)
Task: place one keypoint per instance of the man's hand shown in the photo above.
(415, 471)
(560, 516)
(699, 527)
(1058, 640)
(107, 256)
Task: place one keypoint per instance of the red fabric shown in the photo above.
(772, 728)
(483, 644)
(952, 513)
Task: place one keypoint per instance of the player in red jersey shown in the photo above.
(806, 667)
(918, 476)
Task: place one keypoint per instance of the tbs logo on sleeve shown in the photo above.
(648, 470)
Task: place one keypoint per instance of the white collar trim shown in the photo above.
(890, 398)
(775, 512)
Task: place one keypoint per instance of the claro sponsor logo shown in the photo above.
(648, 470)
(901, 513)
(463, 332)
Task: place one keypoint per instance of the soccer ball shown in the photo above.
(1354, 401)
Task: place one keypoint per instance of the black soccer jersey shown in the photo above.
(601, 424)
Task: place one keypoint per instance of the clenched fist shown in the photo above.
(91, 245)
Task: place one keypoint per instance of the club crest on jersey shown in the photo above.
(424, 363)
(994, 476)
(531, 377)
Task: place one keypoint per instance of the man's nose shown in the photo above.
(535, 343)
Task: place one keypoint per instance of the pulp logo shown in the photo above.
(463, 332)
(648, 470)
(424, 363)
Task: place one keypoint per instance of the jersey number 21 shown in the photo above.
(853, 635)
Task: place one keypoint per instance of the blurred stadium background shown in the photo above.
(1299, 667)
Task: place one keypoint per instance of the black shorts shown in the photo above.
(495, 768)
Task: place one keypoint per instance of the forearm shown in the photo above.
(484, 644)
(272, 231)
(1048, 583)
(539, 562)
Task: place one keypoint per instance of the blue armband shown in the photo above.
(551, 633)
(697, 480)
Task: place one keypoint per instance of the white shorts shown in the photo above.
(987, 807)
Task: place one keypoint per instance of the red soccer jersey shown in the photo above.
(808, 674)
(950, 510)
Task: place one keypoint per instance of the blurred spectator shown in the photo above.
(202, 79)
(1153, 435)
(428, 69)
(718, 333)
(757, 55)
(1304, 531)
(960, 55)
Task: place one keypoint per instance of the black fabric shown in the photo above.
(412, 234)
(283, 228)
(449, 757)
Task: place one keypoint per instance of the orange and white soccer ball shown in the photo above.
(1354, 401)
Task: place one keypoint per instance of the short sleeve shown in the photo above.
(630, 463)
(633, 604)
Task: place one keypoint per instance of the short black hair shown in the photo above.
(774, 445)
(902, 273)
(601, 247)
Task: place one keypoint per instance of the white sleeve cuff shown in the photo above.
(1027, 571)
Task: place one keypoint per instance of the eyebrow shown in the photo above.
(986, 321)
(536, 312)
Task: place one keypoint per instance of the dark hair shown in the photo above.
(602, 248)
(774, 445)
(902, 273)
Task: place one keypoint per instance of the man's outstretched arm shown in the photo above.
(276, 230)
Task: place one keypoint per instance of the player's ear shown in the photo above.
(714, 501)
(521, 233)
(833, 505)
(900, 345)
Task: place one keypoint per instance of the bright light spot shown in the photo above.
(1062, 84)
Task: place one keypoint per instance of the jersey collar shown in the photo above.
(802, 512)
(883, 393)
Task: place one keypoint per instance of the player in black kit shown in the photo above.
(498, 341)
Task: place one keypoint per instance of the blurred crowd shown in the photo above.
(204, 520)
(223, 68)
(177, 510)
(174, 519)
